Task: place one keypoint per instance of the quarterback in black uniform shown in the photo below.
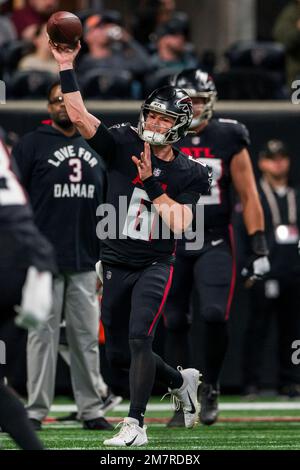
(26, 268)
(160, 187)
(222, 144)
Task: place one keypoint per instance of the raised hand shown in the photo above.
(63, 53)
(144, 164)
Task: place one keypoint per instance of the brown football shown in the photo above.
(64, 28)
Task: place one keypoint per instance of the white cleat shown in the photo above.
(130, 434)
(187, 396)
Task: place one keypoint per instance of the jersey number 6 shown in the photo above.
(140, 221)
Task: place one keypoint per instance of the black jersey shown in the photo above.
(183, 180)
(216, 145)
(21, 244)
(65, 180)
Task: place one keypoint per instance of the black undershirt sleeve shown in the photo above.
(103, 143)
(190, 197)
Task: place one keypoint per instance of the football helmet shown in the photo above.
(197, 84)
(171, 102)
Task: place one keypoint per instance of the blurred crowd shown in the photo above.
(126, 59)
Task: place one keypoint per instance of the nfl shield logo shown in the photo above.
(196, 140)
(108, 275)
(156, 171)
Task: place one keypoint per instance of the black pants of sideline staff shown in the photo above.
(273, 301)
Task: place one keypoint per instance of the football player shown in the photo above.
(26, 267)
(222, 144)
(160, 187)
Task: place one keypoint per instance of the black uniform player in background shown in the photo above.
(26, 267)
(142, 168)
(222, 144)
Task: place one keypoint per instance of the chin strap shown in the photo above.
(196, 122)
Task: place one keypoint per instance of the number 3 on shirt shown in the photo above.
(76, 165)
(140, 221)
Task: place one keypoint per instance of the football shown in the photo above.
(64, 28)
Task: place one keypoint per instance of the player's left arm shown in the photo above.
(244, 182)
(177, 216)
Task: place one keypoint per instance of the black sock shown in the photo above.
(177, 348)
(166, 374)
(141, 377)
(14, 421)
(216, 341)
(137, 413)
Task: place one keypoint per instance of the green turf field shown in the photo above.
(238, 429)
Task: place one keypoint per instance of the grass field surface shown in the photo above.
(256, 425)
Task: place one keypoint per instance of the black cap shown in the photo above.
(107, 17)
(172, 27)
(272, 148)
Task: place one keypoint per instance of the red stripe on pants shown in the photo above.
(167, 288)
(233, 276)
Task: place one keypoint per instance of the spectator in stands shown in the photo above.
(154, 13)
(166, 10)
(42, 58)
(7, 30)
(172, 48)
(35, 13)
(276, 298)
(110, 46)
(287, 31)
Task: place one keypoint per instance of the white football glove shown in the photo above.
(36, 300)
(99, 271)
(256, 270)
(258, 265)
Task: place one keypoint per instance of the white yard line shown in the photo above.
(223, 407)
